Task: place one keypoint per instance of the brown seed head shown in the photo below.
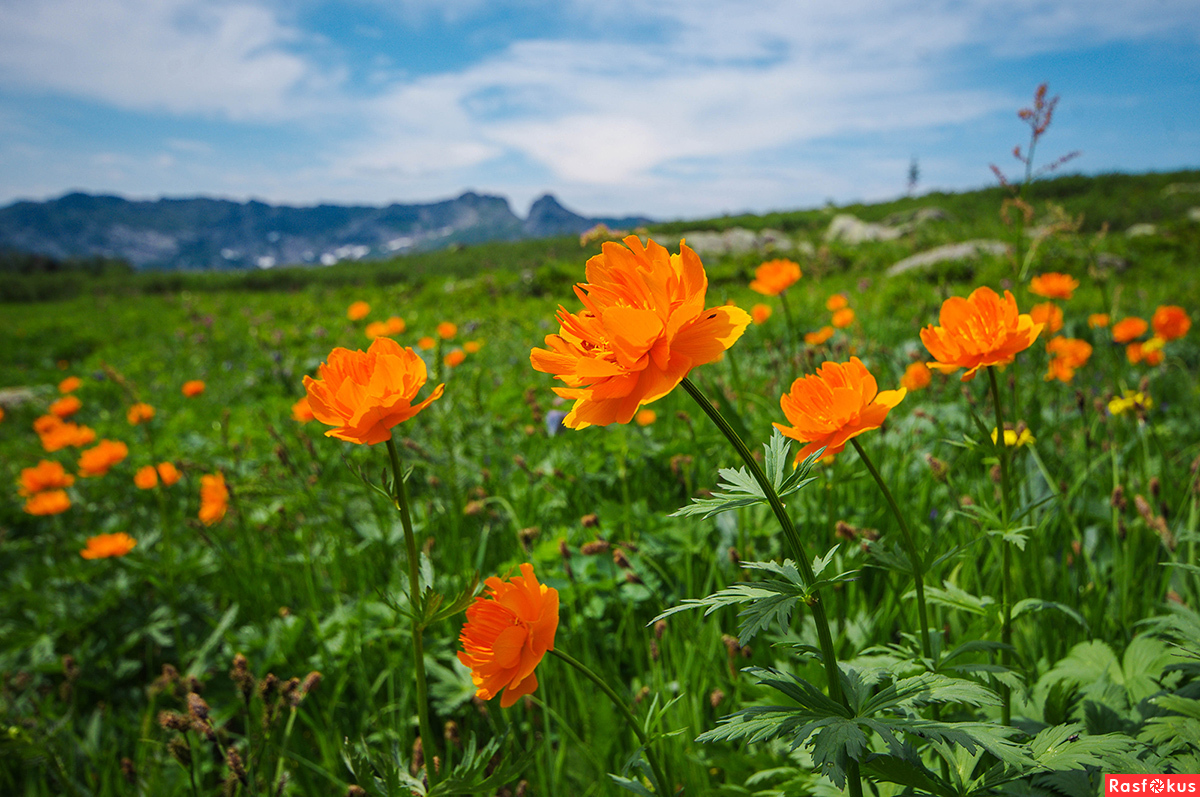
(715, 698)
(173, 721)
(180, 751)
(594, 547)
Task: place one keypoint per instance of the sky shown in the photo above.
(671, 109)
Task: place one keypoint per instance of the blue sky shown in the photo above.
(678, 108)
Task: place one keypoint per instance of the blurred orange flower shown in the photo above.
(978, 331)
(139, 413)
(836, 302)
(774, 276)
(1170, 322)
(192, 387)
(425, 343)
(146, 478)
(104, 546)
(645, 417)
(760, 313)
(301, 411)
(49, 502)
(507, 633)
(56, 435)
(1127, 329)
(1067, 354)
(168, 473)
(1149, 352)
(1, 413)
(916, 376)
(1097, 320)
(70, 384)
(446, 330)
(828, 408)
(214, 498)
(65, 407)
(376, 329)
(1053, 285)
(473, 346)
(643, 328)
(843, 318)
(96, 461)
(357, 311)
(820, 336)
(1048, 314)
(45, 475)
(454, 358)
(365, 394)
(395, 325)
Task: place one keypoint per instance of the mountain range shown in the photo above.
(202, 233)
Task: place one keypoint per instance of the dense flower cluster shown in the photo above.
(977, 332)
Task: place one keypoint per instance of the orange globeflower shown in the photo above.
(454, 358)
(192, 387)
(1097, 320)
(843, 318)
(1170, 322)
(1053, 285)
(1048, 314)
(395, 325)
(168, 473)
(447, 330)
(473, 346)
(70, 384)
(760, 313)
(820, 336)
(507, 633)
(365, 394)
(1149, 352)
(376, 329)
(139, 413)
(65, 407)
(49, 502)
(916, 376)
(1127, 329)
(96, 461)
(642, 329)
(425, 343)
(645, 417)
(357, 311)
(1, 413)
(978, 331)
(146, 478)
(1068, 355)
(837, 403)
(214, 498)
(774, 276)
(46, 475)
(62, 435)
(301, 411)
(836, 302)
(104, 546)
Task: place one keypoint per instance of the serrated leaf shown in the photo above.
(894, 769)
(740, 488)
(955, 597)
(630, 785)
(834, 744)
(1035, 605)
(926, 688)
(1065, 747)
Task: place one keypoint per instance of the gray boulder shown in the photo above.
(967, 250)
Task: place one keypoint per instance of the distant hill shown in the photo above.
(216, 233)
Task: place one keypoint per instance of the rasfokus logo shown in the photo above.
(1152, 784)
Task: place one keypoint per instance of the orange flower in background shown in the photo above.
(376, 329)
(168, 473)
(65, 407)
(916, 376)
(192, 387)
(1049, 314)
(446, 330)
(836, 302)
(105, 546)
(365, 394)
(1170, 322)
(1149, 352)
(760, 313)
(139, 413)
(1127, 329)
(301, 411)
(1098, 320)
(357, 311)
(843, 318)
(507, 633)
(146, 478)
(978, 331)
(426, 343)
(395, 325)
(1067, 354)
(1, 413)
(840, 401)
(70, 384)
(1053, 285)
(820, 336)
(59, 435)
(774, 277)
(214, 498)
(46, 423)
(49, 502)
(645, 417)
(473, 346)
(45, 475)
(96, 461)
(643, 328)
(454, 358)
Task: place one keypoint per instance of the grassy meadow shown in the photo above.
(1060, 574)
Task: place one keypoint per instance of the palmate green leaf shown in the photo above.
(740, 488)
(478, 770)
(630, 785)
(991, 737)
(954, 597)
(1035, 605)
(901, 771)
(834, 744)
(1067, 747)
(927, 688)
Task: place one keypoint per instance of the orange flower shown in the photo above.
(1097, 320)
(50, 502)
(395, 325)
(837, 403)
(820, 336)
(1127, 329)
(44, 424)
(1068, 355)
(642, 329)
(46, 475)
(446, 330)
(978, 331)
(1048, 314)
(473, 346)
(916, 376)
(836, 302)
(146, 478)
(60, 435)
(96, 461)
(645, 417)
(843, 318)
(301, 411)
(774, 277)
(104, 546)
(365, 394)
(139, 413)
(760, 313)
(1170, 322)
(168, 473)
(214, 498)
(1149, 352)
(70, 384)
(454, 358)
(1, 413)
(1053, 285)
(507, 633)
(192, 387)
(65, 407)
(357, 311)
(376, 329)
(426, 343)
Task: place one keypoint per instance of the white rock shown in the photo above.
(967, 250)
(853, 230)
(1139, 230)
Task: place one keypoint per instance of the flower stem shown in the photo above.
(1005, 554)
(663, 784)
(828, 655)
(909, 543)
(428, 741)
(791, 332)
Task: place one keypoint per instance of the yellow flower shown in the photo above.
(1131, 400)
(1014, 439)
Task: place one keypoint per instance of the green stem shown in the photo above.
(828, 655)
(287, 734)
(910, 544)
(662, 783)
(428, 741)
(1006, 555)
(791, 331)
